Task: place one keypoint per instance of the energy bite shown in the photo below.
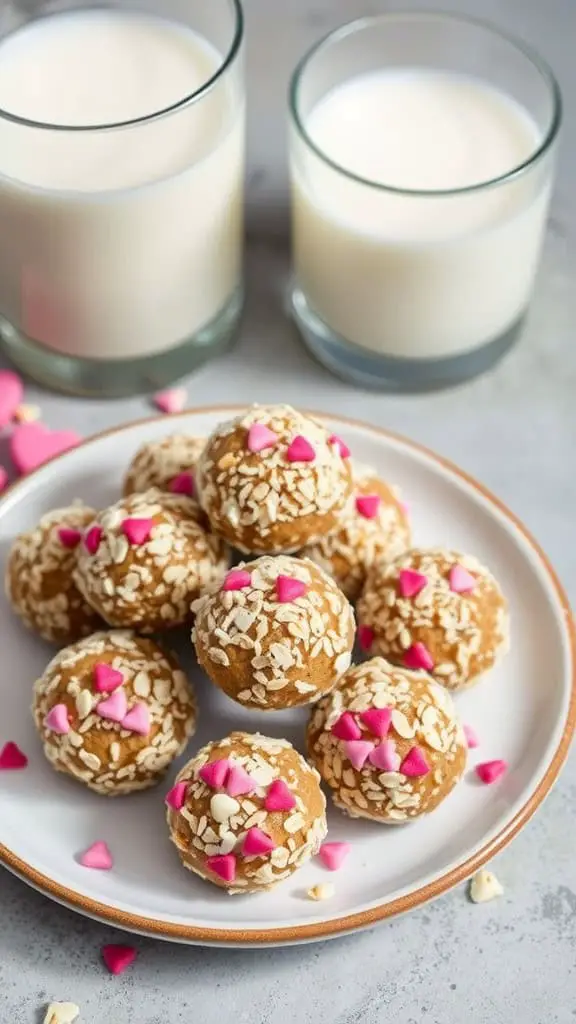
(373, 527)
(169, 465)
(273, 480)
(39, 577)
(436, 610)
(387, 742)
(246, 812)
(145, 559)
(113, 711)
(276, 633)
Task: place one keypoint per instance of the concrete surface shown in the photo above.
(451, 962)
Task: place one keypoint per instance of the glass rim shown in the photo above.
(228, 59)
(358, 25)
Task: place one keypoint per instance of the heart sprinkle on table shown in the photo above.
(117, 957)
(12, 758)
(171, 400)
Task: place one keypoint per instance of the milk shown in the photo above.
(125, 242)
(417, 276)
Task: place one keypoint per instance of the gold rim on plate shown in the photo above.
(363, 918)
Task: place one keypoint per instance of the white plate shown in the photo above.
(524, 712)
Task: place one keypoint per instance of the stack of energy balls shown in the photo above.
(272, 628)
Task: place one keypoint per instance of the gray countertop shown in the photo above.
(450, 962)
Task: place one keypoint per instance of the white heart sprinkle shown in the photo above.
(222, 807)
(484, 887)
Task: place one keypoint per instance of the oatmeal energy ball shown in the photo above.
(387, 742)
(246, 812)
(276, 633)
(373, 527)
(169, 465)
(39, 581)
(273, 480)
(113, 711)
(144, 560)
(436, 610)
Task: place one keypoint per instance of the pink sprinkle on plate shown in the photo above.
(118, 958)
(68, 537)
(491, 771)
(289, 589)
(471, 737)
(300, 450)
(97, 856)
(171, 400)
(367, 505)
(346, 727)
(260, 437)
(418, 657)
(333, 855)
(184, 484)
(12, 759)
(411, 582)
(33, 444)
(137, 531)
(237, 579)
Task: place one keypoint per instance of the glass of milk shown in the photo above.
(121, 189)
(421, 163)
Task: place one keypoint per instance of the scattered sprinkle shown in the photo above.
(377, 720)
(279, 797)
(257, 843)
(300, 450)
(341, 445)
(260, 437)
(137, 720)
(27, 413)
(61, 1013)
(12, 758)
(215, 773)
(57, 720)
(460, 580)
(97, 856)
(32, 444)
(3, 478)
(418, 657)
(333, 855)
(92, 539)
(239, 782)
(357, 752)
(415, 765)
(324, 891)
(11, 394)
(176, 797)
(411, 582)
(471, 737)
(114, 708)
(117, 958)
(236, 579)
(137, 531)
(365, 637)
(223, 865)
(367, 505)
(289, 589)
(183, 483)
(68, 537)
(484, 886)
(384, 757)
(106, 678)
(490, 771)
(170, 400)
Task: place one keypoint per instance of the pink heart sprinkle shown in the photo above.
(300, 450)
(357, 752)
(365, 637)
(32, 444)
(137, 531)
(68, 537)
(460, 580)
(171, 400)
(415, 765)
(288, 589)
(384, 757)
(418, 657)
(333, 855)
(377, 720)
(118, 958)
(223, 865)
(215, 773)
(237, 579)
(411, 582)
(346, 728)
(106, 678)
(3, 478)
(137, 720)
(176, 798)
(341, 445)
(471, 737)
(257, 843)
(97, 856)
(92, 539)
(239, 782)
(57, 720)
(183, 483)
(114, 708)
(279, 797)
(260, 437)
(11, 395)
(367, 505)
(12, 758)
(491, 771)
